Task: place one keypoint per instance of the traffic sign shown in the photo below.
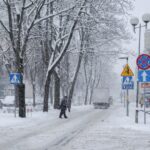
(15, 78)
(144, 75)
(143, 61)
(145, 85)
(127, 71)
(127, 83)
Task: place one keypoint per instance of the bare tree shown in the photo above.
(22, 17)
(53, 62)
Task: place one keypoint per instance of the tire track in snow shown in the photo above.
(19, 138)
(68, 137)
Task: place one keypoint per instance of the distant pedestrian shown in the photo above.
(63, 107)
(141, 102)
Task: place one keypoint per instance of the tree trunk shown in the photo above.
(33, 87)
(51, 92)
(91, 95)
(86, 95)
(57, 91)
(20, 96)
(46, 93)
(74, 81)
(87, 80)
(47, 52)
(77, 69)
(20, 88)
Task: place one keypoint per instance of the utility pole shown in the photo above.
(127, 91)
(137, 91)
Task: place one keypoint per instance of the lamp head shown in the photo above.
(134, 21)
(146, 18)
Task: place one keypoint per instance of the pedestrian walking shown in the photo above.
(63, 107)
(141, 102)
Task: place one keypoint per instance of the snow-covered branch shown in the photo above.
(5, 2)
(53, 65)
(52, 15)
(50, 2)
(30, 4)
(30, 27)
(2, 24)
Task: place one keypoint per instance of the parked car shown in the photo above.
(8, 104)
(101, 98)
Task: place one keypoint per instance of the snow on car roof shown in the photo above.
(8, 100)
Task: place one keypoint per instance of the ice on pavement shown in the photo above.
(86, 129)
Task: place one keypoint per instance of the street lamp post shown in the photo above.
(134, 22)
(127, 103)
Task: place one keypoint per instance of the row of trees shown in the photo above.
(62, 46)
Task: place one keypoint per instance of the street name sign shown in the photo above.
(144, 75)
(143, 61)
(145, 85)
(127, 71)
(15, 78)
(127, 83)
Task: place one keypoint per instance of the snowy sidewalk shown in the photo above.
(41, 129)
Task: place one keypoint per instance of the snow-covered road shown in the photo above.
(108, 134)
(86, 129)
(51, 133)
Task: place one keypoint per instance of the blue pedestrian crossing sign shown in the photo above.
(144, 75)
(127, 82)
(15, 78)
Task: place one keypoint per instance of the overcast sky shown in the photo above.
(141, 7)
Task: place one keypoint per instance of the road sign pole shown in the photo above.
(121, 96)
(127, 93)
(137, 100)
(137, 90)
(127, 103)
(127, 82)
(144, 113)
(144, 108)
(124, 99)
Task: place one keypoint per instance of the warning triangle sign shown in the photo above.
(127, 71)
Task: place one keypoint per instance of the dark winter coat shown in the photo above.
(63, 105)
